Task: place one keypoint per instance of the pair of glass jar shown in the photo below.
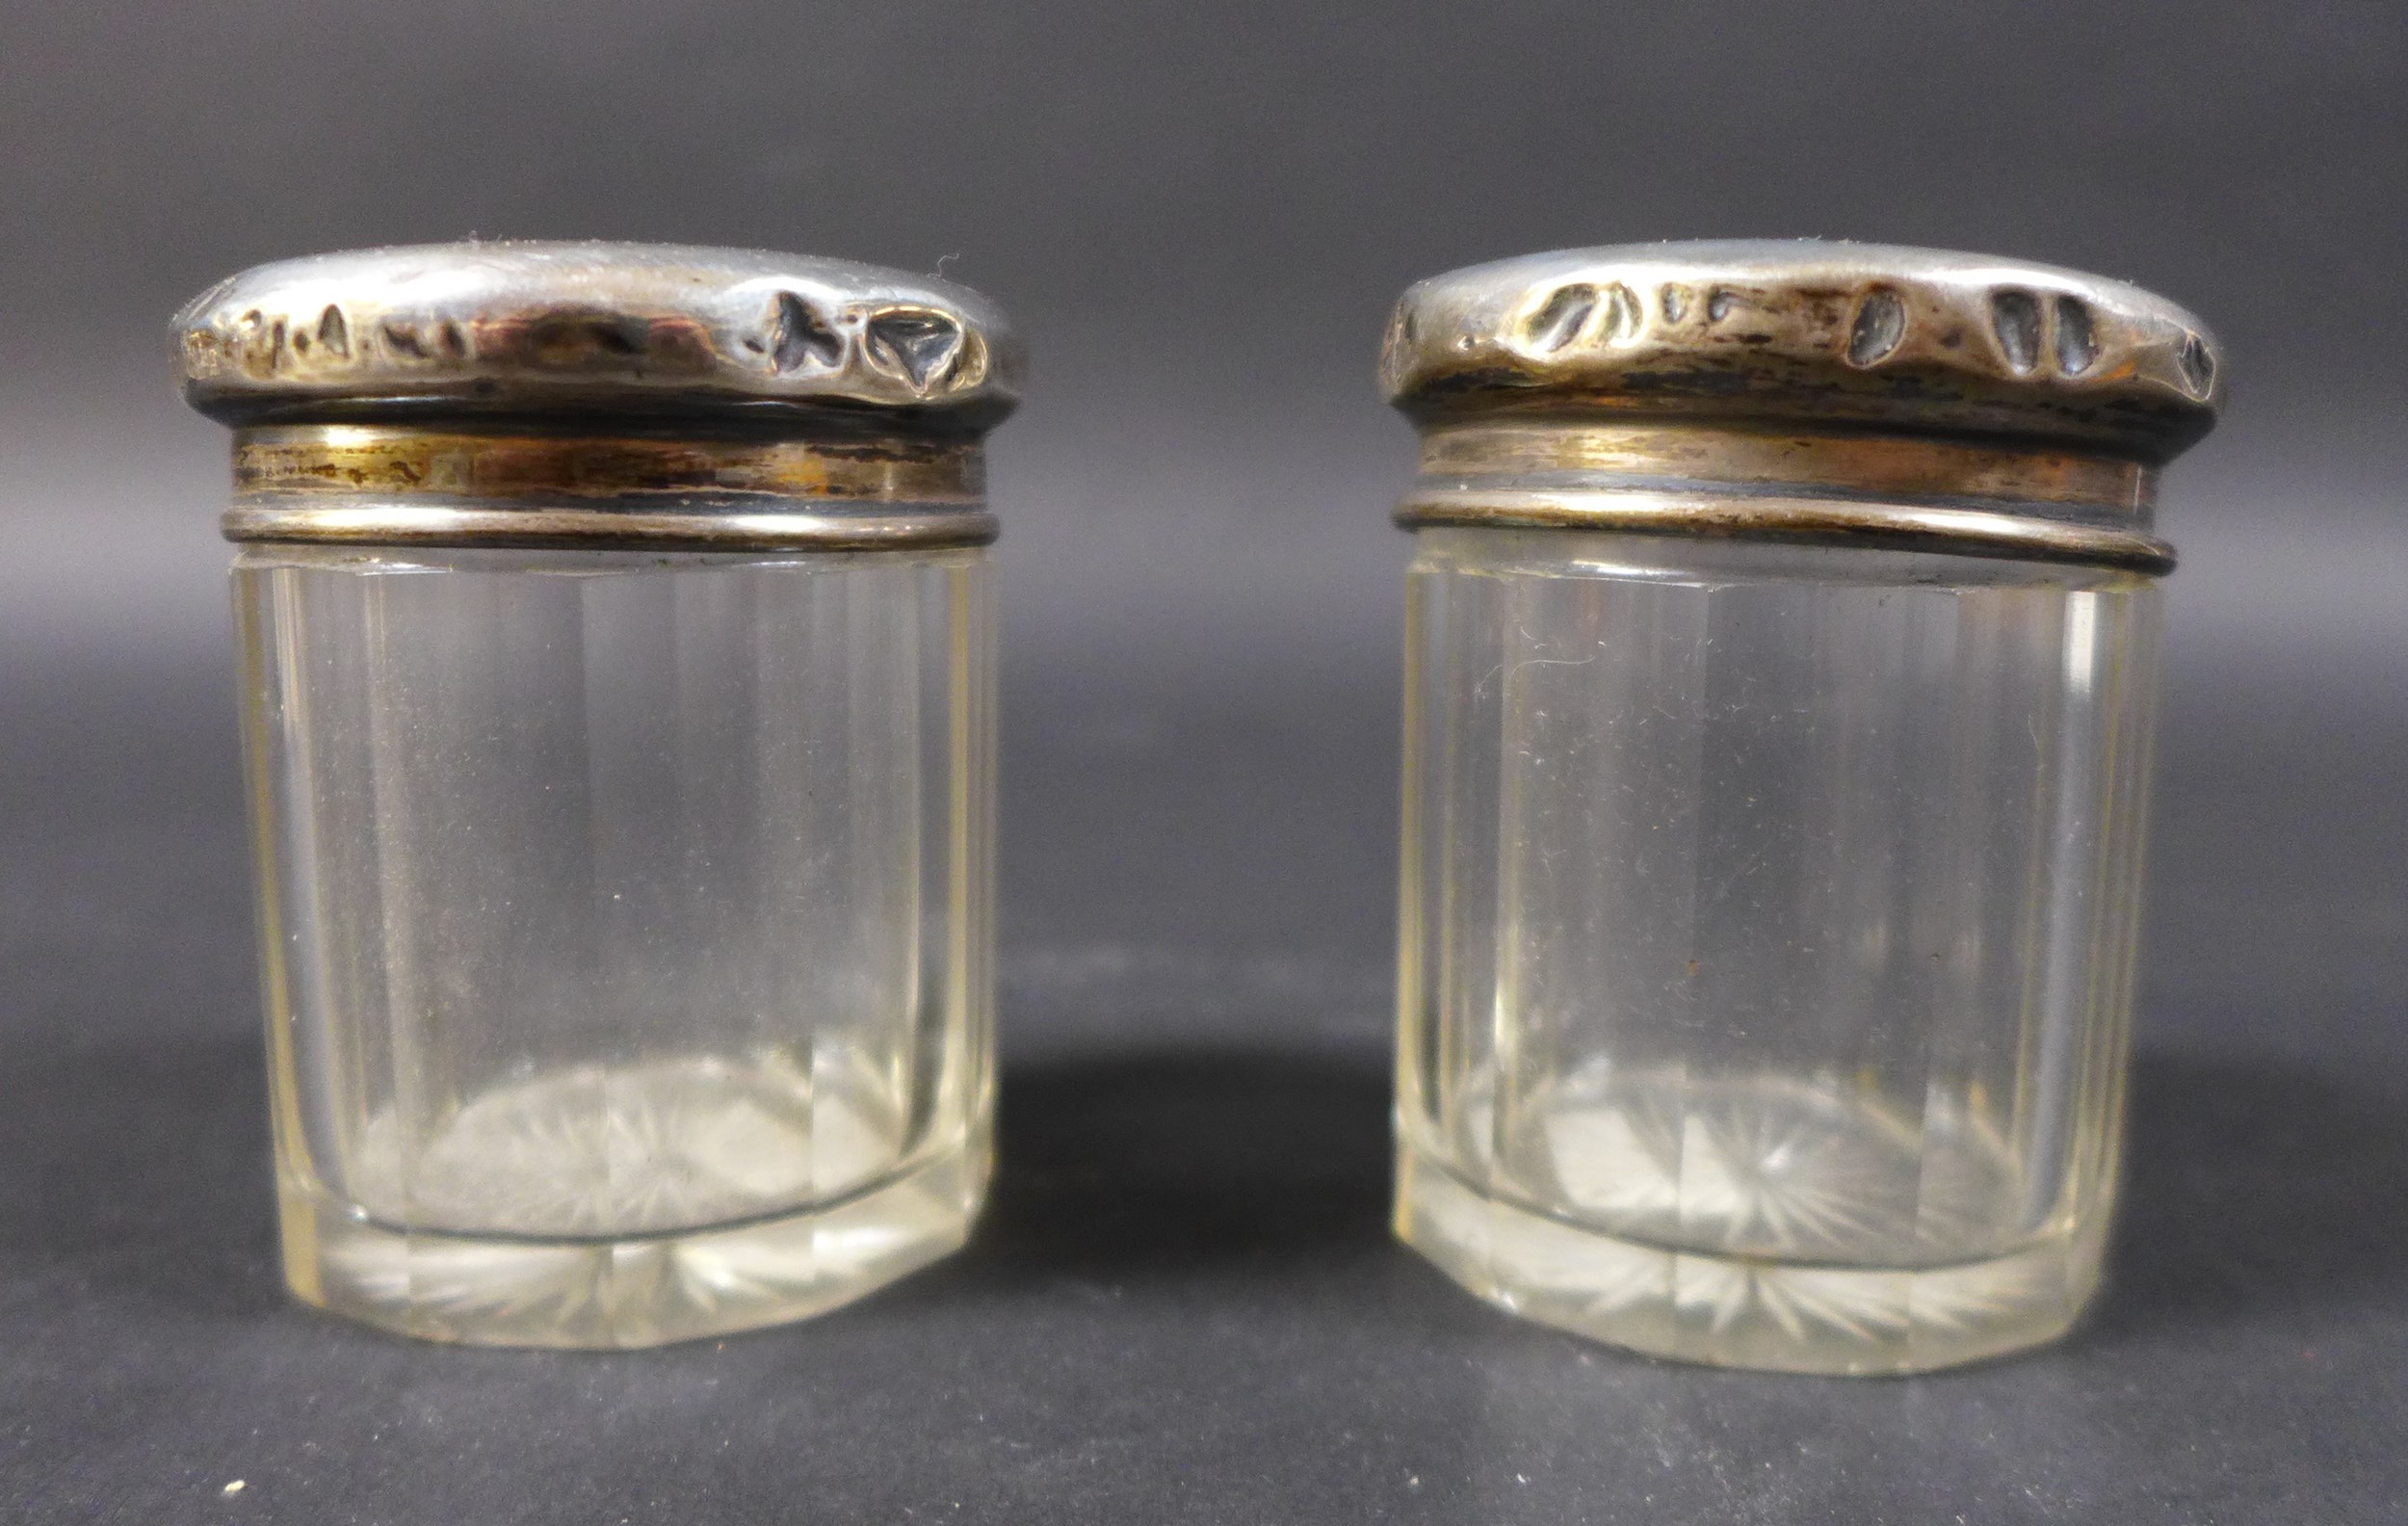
(618, 637)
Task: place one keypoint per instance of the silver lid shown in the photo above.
(1805, 331)
(600, 394)
(464, 331)
(1837, 393)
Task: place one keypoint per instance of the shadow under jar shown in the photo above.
(616, 638)
(1781, 656)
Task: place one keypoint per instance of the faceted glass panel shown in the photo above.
(627, 929)
(1768, 931)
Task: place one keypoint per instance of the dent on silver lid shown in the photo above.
(1792, 332)
(447, 330)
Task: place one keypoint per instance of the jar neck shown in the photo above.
(406, 485)
(1965, 496)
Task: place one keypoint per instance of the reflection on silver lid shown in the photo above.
(1810, 331)
(528, 329)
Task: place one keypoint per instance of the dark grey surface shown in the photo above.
(1183, 1306)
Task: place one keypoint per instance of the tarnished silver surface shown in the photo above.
(414, 486)
(534, 327)
(523, 393)
(1901, 491)
(1814, 332)
(1814, 390)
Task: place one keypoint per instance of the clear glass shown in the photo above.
(1767, 940)
(626, 929)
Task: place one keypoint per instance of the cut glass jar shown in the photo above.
(617, 635)
(1781, 659)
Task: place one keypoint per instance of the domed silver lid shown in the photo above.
(519, 328)
(600, 394)
(1837, 393)
(1806, 331)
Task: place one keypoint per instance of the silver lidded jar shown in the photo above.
(1781, 660)
(616, 634)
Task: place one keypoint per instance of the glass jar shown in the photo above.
(1781, 651)
(616, 634)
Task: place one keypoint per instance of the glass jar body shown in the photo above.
(1769, 924)
(627, 928)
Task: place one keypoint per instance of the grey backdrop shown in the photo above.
(1198, 214)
